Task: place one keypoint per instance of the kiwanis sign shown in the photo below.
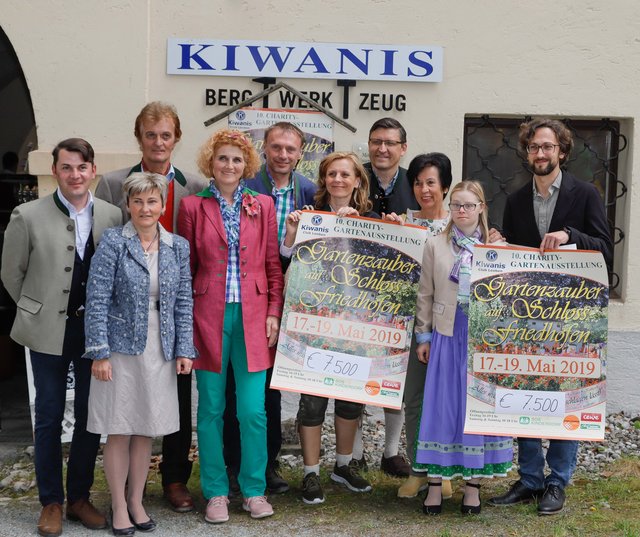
(335, 61)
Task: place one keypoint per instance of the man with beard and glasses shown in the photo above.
(556, 208)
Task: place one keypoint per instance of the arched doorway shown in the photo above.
(17, 137)
(18, 129)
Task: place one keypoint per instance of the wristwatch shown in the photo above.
(568, 232)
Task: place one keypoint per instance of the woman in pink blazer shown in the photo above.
(237, 291)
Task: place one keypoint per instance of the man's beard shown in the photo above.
(543, 169)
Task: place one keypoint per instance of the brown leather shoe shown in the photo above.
(178, 495)
(84, 511)
(50, 523)
(395, 466)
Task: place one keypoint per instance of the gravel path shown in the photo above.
(19, 518)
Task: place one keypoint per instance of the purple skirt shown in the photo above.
(443, 450)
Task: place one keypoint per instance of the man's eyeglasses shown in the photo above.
(389, 143)
(533, 149)
(468, 207)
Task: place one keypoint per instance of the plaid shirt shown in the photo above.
(231, 219)
(284, 204)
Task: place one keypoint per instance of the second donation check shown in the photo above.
(349, 309)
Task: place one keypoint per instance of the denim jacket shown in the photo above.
(117, 306)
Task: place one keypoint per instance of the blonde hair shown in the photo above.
(228, 137)
(360, 197)
(476, 189)
(140, 182)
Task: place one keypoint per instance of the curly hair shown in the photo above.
(359, 198)
(565, 138)
(228, 137)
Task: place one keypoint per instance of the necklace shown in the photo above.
(145, 251)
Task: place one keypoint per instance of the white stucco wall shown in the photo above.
(92, 66)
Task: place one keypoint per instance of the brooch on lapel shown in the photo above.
(250, 203)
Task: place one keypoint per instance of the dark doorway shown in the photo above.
(17, 137)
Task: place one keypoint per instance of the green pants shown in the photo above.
(251, 413)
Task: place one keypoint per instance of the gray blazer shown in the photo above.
(110, 189)
(437, 294)
(117, 313)
(37, 268)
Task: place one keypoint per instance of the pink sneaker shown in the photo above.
(217, 511)
(258, 506)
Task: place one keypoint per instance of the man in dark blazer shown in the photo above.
(157, 129)
(554, 209)
(47, 250)
(389, 189)
(389, 192)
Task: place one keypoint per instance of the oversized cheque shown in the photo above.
(537, 343)
(349, 309)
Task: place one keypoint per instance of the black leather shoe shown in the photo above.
(147, 526)
(432, 509)
(275, 483)
(123, 531)
(518, 493)
(552, 501)
(470, 509)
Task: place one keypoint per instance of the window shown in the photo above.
(491, 156)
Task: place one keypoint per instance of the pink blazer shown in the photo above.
(261, 281)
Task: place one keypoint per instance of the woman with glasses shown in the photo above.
(443, 450)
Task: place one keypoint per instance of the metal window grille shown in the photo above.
(491, 156)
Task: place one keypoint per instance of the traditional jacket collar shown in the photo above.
(178, 174)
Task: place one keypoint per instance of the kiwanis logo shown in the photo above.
(316, 219)
(240, 115)
(492, 255)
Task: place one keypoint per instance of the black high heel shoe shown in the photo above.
(471, 509)
(147, 526)
(432, 509)
(127, 532)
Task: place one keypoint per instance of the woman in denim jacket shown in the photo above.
(139, 332)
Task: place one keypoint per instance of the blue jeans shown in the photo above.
(561, 458)
(50, 379)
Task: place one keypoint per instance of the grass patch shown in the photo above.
(597, 506)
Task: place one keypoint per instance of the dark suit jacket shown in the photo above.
(579, 208)
(400, 199)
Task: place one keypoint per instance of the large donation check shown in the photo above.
(537, 343)
(349, 309)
